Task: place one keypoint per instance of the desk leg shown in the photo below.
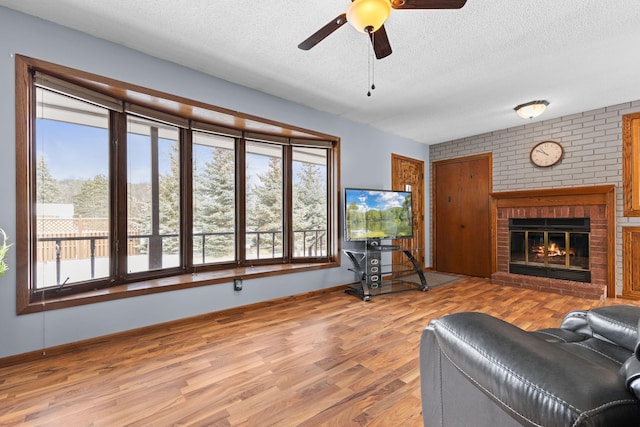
(417, 268)
(360, 272)
(366, 294)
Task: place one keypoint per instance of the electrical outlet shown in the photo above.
(237, 284)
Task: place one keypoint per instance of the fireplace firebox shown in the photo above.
(550, 247)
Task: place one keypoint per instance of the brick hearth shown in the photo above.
(583, 202)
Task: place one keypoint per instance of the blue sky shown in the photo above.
(82, 152)
(374, 199)
(63, 144)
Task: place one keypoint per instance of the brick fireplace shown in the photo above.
(597, 203)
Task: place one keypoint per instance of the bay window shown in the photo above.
(116, 190)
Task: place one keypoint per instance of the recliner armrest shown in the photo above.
(577, 321)
(617, 324)
(540, 383)
(631, 373)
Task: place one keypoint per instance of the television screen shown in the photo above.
(377, 214)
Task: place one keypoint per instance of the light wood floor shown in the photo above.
(326, 359)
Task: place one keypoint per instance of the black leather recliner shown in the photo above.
(477, 370)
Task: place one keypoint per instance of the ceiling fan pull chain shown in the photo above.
(368, 67)
(370, 62)
(373, 75)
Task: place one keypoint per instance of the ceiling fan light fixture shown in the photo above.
(531, 109)
(368, 15)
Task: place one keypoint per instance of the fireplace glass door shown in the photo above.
(550, 252)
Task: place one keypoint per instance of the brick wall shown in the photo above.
(592, 143)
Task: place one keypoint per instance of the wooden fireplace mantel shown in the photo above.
(571, 196)
(594, 195)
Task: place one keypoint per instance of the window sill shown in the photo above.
(173, 283)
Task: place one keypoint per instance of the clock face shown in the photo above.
(546, 153)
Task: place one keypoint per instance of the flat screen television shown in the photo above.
(377, 214)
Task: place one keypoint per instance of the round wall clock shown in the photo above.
(546, 153)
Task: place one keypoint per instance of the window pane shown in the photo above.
(72, 190)
(214, 218)
(309, 202)
(153, 195)
(264, 237)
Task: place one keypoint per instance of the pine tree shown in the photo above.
(138, 209)
(47, 190)
(265, 201)
(92, 199)
(169, 195)
(310, 206)
(214, 204)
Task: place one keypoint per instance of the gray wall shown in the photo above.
(361, 146)
(593, 155)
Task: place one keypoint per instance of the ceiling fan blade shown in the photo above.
(427, 4)
(380, 43)
(323, 32)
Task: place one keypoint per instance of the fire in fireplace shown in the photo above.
(550, 247)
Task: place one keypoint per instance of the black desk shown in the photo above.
(375, 278)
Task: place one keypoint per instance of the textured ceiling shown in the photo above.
(453, 73)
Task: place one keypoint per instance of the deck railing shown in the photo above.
(261, 245)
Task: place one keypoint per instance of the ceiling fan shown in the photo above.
(368, 16)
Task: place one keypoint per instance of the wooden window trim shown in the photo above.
(171, 283)
(191, 110)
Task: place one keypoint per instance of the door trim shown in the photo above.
(422, 239)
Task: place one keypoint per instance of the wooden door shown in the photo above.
(461, 215)
(408, 174)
